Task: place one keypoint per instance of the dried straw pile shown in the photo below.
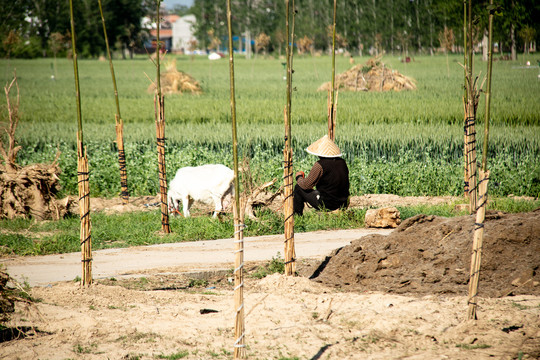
(373, 76)
(7, 302)
(175, 82)
(30, 191)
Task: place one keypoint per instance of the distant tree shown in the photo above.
(447, 40)
(203, 11)
(57, 43)
(180, 10)
(261, 43)
(279, 38)
(215, 42)
(528, 34)
(305, 45)
(10, 41)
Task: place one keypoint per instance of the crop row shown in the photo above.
(376, 166)
(260, 91)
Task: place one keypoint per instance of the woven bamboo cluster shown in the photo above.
(176, 82)
(373, 76)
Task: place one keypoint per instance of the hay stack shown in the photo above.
(175, 82)
(373, 76)
(30, 191)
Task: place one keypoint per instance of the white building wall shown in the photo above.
(182, 31)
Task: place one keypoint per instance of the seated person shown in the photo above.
(327, 184)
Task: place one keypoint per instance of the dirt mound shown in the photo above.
(175, 82)
(431, 255)
(373, 76)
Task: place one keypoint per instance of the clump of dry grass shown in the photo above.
(29, 190)
(373, 76)
(175, 82)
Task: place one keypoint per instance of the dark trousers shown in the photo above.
(301, 196)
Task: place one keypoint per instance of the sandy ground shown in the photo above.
(395, 295)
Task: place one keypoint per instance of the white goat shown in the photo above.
(213, 183)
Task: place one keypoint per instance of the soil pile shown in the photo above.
(431, 255)
(176, 82)
(373, 76)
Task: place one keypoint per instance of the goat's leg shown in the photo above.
(186, 204)
(218, 205)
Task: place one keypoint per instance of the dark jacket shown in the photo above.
(330, 176)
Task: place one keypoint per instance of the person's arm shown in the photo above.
(312, 179)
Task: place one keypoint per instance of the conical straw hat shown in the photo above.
(324, 147)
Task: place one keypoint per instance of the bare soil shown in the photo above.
(400, 296)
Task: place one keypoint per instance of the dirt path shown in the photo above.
(176, 257)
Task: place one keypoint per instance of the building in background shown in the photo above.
(176, 33)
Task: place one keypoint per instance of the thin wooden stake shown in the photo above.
(239, 327)
(159, 107)
(84, 212)
(82, 170)
(288, 206)
(476, 257)
(332, 109)
(488, 86)
(470, 144)
(470, 102)
(124, 194)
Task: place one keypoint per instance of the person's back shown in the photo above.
(334, 183)
(327, 184)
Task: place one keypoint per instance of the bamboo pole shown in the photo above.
(124, 194)
(159, 107)
(470, 101)
(84, 213)
(239, 327)
(288, 207)
(487, 118)
(332, 109)
(478, 237)
(82, 171)
(465, 49)
(476, 257)
(470, 144)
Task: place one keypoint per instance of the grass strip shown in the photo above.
(27, 237)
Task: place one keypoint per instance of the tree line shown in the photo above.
(34, 28)
(391, 26)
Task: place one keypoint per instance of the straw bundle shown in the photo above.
(175, 82)
(373, 76)
(30, 190)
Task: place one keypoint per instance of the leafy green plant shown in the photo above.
(276, 265)
(197, 283)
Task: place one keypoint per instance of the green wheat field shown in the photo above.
(404, 143)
